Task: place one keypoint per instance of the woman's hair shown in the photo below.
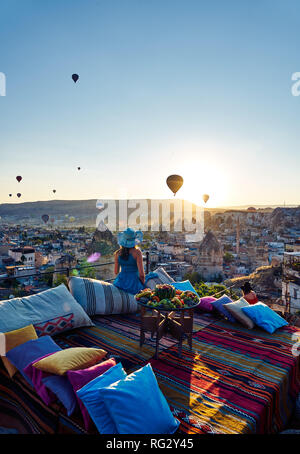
(246, 287)
(123, 252)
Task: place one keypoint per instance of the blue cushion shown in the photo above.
(36, 309)
(264, 317)
(26, 353)
(63, 389)
(89, 394)
(219, 305)
(137, 405)
(184, 286)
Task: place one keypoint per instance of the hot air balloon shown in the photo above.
(72, 219)
(75, 77)
(45, 218)
(19, 195)
(10, 195)
(19, 178)
(205, 197)
(78, 168)
(174, 182)
(54, 190)
(66, 215)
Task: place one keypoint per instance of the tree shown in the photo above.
(193, 277)
(228, 258)
(60, 279)
(86, 270)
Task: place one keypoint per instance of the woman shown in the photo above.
(249, 294)
(129, 259)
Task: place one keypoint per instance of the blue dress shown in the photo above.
(128, 278)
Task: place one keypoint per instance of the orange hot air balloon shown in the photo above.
(205, 197)
(174, 182)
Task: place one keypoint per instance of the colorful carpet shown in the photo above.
(119, 335)
(23, 410)
(234, 381)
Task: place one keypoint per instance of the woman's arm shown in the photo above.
(117, 265)
(140, 265)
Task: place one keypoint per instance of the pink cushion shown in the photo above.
(205, 303)
(79, 378)
(36, 376)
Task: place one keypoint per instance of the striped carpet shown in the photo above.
(235, 381)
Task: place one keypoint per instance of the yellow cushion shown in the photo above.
(12, 340)
(73, 358)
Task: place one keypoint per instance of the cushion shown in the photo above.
(79, 378)
(35, 376)
(36, 309)
(235, 309)
(73, 358)
(205, 303)
(184, 286)
(264, 317)
(144, 408)
(89, 395)
(62, 388)
(162, 278)
(219, 306)
(13, 339)
(26, 353)
(100, 297)
(55, 325)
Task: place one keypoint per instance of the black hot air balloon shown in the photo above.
(78, 168)
(19, 178)
(205, 197)
(19, 195)
(45, 218)
(174, 182)
(54, 190)
(75, 77)
(10, 195)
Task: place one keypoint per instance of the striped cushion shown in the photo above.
(163, 278)
(101, 298)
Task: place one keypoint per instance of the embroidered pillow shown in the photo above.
(55, 325)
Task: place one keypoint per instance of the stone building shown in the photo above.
(210, 257)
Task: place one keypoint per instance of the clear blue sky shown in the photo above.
(200, 88)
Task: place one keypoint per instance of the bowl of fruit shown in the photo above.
(166, 298)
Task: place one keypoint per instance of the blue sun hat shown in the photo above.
(129, 238)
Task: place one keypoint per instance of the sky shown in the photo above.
(190, 87)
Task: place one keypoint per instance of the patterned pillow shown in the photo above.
(35, 309)
(162, 278)
(55, 325)
(102, 298)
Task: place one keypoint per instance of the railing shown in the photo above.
(68, 270)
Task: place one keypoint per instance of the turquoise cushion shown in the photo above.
(184, 286)
(89, 394)
(137, 405)
(219, 305)
(264, 317)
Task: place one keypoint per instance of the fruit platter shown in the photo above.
(166, 298)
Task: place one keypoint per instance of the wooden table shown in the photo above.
(161, 322)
